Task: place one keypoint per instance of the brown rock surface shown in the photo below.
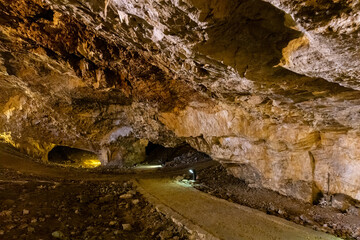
(268, 88)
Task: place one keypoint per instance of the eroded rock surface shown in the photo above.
(269, 89)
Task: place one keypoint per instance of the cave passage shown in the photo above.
(73, 157)
(176, 156)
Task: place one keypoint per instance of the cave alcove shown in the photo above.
(173, 156)
(74, 157)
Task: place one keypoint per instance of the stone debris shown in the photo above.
(57, 234)
(102, 214)
(126, 227)
(126, 196)
(341, 202)
(112, 223)
(6, 213)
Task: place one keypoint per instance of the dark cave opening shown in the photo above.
(73, 157)
(173, 156)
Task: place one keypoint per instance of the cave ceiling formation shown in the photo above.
(268, 88)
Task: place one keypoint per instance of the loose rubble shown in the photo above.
(78, 210)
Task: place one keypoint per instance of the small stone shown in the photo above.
(2, 232)
(340, 202)
(22, 226)
(126, 227)
(76, 211)
(132, 192)
(57, 234)
(126, 196)
(6, 213)
(281, 212)
(352, 210)
(31, 229)
(10, 226)
(107, 198)
(112, 223)
(33, 220)
(165, 235)
(116, 232)
(135, 201)
(179, 178)
(26, 212)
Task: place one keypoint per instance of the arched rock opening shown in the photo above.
(171, 157)
(73, 157)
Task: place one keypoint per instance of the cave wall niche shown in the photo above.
(173, 156)
(73, 157)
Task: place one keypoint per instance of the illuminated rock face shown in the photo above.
(269, 89)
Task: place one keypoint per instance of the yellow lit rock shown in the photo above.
(91, 163)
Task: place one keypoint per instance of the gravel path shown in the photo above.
(223, 219)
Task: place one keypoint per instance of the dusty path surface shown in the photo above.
(222, 219)
(225, 220)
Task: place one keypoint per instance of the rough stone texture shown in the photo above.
(270, 89)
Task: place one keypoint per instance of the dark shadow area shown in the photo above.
(73, 157)
(172, 157)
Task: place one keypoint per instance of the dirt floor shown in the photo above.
(41, 208)
(344, 223)
(48, 202)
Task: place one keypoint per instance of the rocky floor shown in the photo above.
(49, 202)
(41, 208)
(337, 217)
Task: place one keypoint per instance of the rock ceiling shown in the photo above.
(270, 89)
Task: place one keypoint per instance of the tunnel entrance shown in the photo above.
(73, 157)
(172, 157)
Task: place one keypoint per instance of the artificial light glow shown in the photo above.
(193, 173)
(6, 137)
(148, 166)
(91, 163)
